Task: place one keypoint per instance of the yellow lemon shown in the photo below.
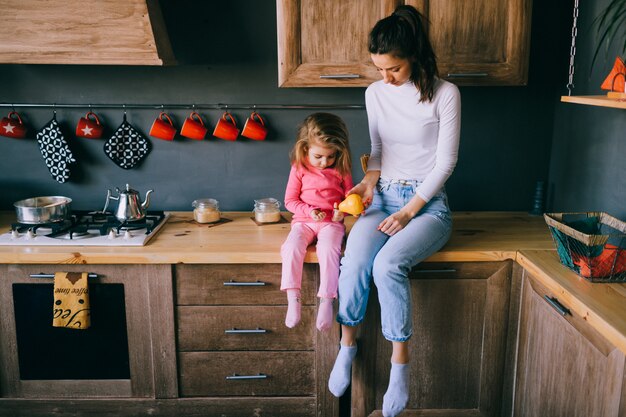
(352, 205)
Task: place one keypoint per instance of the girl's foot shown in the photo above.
(293, 308)
(397, 394)
(325, 314)
(340, 376)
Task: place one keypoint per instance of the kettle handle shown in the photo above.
(110, 197)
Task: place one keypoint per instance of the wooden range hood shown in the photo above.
(100, 32)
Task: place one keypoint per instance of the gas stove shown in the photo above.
(86, 228)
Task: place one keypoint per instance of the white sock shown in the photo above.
(293, 308)
(341, 374)
(397, 394)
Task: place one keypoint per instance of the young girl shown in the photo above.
(319, 179)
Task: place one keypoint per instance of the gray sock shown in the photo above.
(341, 374)
(397, 394)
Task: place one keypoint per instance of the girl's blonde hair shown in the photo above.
(327, 130)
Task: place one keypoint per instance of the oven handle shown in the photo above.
(42, 275)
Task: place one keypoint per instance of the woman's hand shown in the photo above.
(317, 215)
(394, 223)
(366, 192)
(337, 214)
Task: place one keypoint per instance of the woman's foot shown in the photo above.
(341, 374)
(397, 394)
(325, 314)
(293, 308)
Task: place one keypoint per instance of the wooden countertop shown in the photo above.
(477, 236)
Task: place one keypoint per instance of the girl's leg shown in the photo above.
(341, 374)
(329, 240)
(292, 253)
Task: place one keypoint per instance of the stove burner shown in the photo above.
(82, 222)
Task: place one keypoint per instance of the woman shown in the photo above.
(414, 123)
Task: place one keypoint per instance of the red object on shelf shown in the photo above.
(617, 77)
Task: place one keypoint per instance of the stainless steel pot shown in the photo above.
(39, 210)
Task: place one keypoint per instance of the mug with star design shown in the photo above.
(89, 126)
(12, 126)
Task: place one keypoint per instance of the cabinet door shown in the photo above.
(480, 42)
(323, 43)
(460, 313)
(565, 368)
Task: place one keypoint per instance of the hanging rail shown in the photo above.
(218, 106)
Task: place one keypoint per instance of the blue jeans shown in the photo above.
(388, 259)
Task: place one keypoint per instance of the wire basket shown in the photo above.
(592, 244)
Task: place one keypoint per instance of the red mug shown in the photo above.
(226, 129)
(254, 127)
(163, 127)
(193, 128)
(12, 127)
(89, 127)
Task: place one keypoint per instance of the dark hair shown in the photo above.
(326, 130)
(403, 35)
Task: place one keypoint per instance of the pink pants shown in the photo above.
(329, 240)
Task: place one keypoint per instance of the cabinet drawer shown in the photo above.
(238, 284)
(456, 270)
(243, 328)
(247, 373)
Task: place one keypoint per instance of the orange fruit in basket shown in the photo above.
(352, 205)
(603, 265)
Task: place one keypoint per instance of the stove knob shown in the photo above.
(127, 235)
(14, 234)
(30, 235)
(112, 234)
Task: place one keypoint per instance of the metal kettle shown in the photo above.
(129, 205)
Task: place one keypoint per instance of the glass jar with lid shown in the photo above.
(206, 210)
(267, 210)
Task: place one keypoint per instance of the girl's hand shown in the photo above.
(317, 215)
(337, 214)
(394, 223)
(366, 192)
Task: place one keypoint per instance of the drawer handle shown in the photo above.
(233, 283)
(234, 330)
(339, 76)
(236, 377)
(467, 74)
(42, 275)
(564, 311)
(428, 271)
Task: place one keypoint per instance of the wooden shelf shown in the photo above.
(601, 101)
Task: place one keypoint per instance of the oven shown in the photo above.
(128, 351)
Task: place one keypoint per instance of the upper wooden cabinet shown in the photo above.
(114, 32)
(323, 43)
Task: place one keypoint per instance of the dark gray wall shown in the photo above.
(588, 164)
(227, 54)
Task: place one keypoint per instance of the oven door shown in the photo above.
(131, 326)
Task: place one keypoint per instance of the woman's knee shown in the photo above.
(389, 266)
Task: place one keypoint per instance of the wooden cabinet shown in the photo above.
(233, 342)
(460, 315)
(323, 43)
(564, 367)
